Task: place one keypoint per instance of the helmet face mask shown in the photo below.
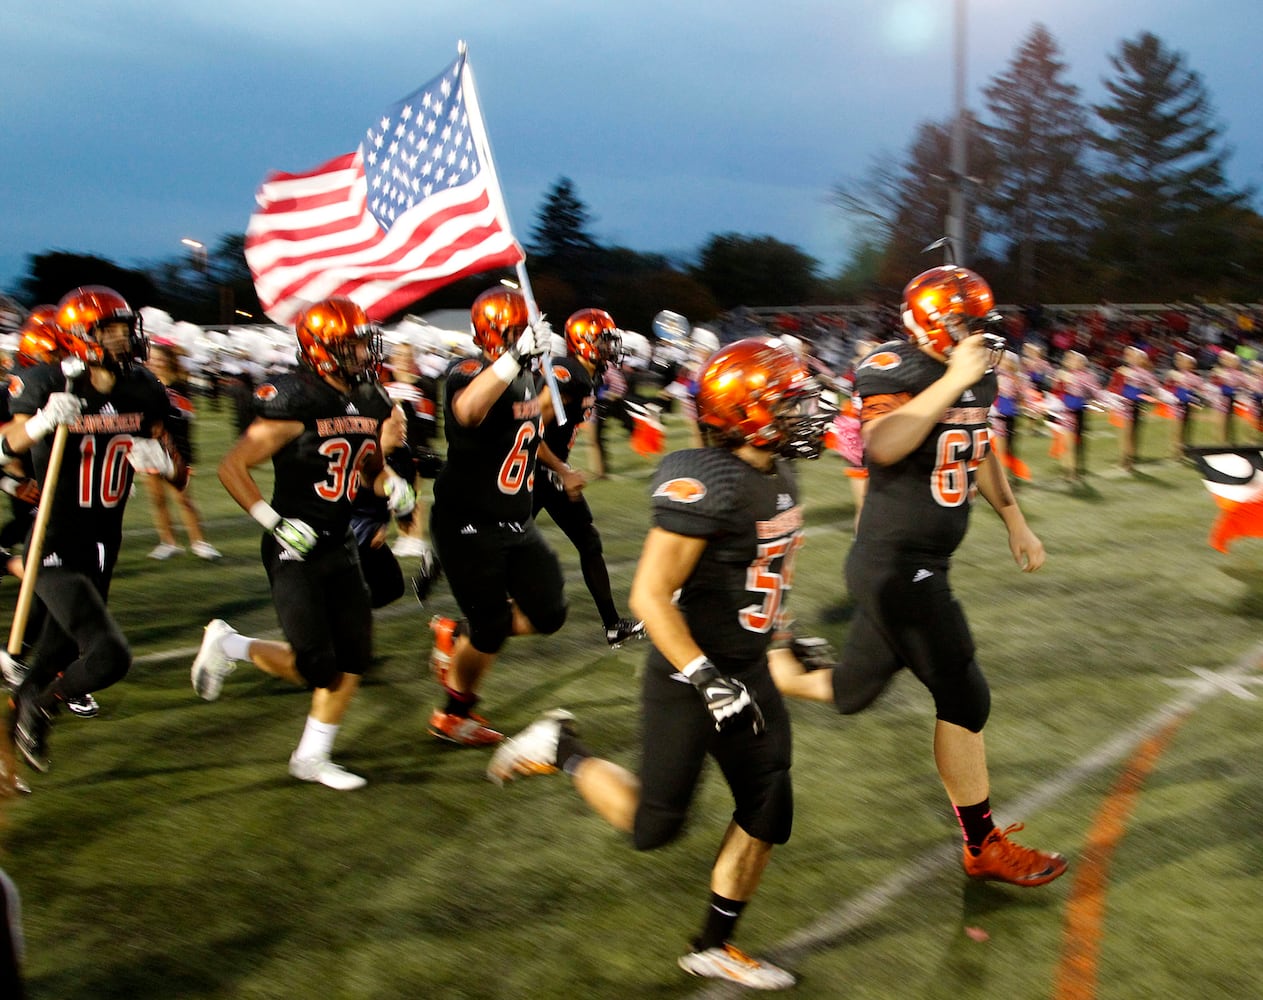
(756, 392)
(83, 316)
(497, 317)
(944, 305)
(336, 339)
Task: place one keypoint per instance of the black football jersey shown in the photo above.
(753, 526)
(419, 400)
(319, 474)
(490, 469)
(921, 503)
(95, 479)
(578, 396)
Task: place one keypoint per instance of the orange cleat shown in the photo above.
(1002, 860)
(466, 730)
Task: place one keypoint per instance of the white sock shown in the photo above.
(317, 739)
(236, 646)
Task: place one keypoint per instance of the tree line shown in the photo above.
(1126, 200)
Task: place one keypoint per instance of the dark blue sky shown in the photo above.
(131, 125)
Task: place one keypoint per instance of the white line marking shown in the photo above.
(856, 912)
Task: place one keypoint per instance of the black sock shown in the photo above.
(571, 751)
(721, 921)
(460, 703)
(975, 822)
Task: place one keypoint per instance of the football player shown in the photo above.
(320, 428)
(113, 410)
(711, 586)
(503, 574)
(923, 405)
(593, 342)
(40, 342)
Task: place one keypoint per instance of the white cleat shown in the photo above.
(164, 551)
(211, 665)
(325, 772)
(205, 550)
(735, 966)
(533, 750)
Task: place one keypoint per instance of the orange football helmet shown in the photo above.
(757, 392)
(498, 317)
(83, 312)
(40, 339)
(592, 335)
(336, 337)
(946, 304)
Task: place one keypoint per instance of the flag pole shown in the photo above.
(524, 280)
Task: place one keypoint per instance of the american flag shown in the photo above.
(415, 207)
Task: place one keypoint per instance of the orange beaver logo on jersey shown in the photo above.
(683, 490)
(561, 373)
(882, 361)
(265, 392)
(15, 386)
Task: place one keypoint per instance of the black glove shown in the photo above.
(725, 697)
(814, 653)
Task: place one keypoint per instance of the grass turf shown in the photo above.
(168, 854)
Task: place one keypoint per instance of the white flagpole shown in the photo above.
(483, 141)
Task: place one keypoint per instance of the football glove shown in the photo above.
(533, 341)
(813, 652)
(725, 697)
(150, 455)
(60, 408)
(296, 537)
(401, 498)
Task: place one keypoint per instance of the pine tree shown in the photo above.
(1171, 224)
(1036, 195)
(560, 236)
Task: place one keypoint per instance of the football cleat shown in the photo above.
(533, 750)
(211, 666)
(734, 965)
(14, 670)
(85, 706)
(445, 632)
(1003, 860)
(31, 725)
(465, 730)
(323, 771)
(624, 630)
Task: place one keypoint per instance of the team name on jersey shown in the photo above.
(108, 423)
(785, 523)
(526, 409)
(965, 415)
(334, 426)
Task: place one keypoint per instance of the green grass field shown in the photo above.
(168, 854)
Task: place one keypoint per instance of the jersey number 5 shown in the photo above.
(772, 575)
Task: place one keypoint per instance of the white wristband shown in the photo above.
(506, 367)
(695, 665)
(38, 425)
(262, 512)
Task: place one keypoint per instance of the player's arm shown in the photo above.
(666, 562)
(902, 423)
(258, 443)
(572, 480)
(993, 484)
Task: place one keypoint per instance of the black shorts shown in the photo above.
(323, 606)
(906, 616)
(490, 565)
(573, 517)
(678, 733)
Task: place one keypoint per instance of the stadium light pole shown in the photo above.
(959, 156)
(198, 249)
